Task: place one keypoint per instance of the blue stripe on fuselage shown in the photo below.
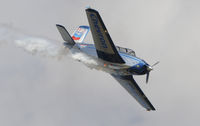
(137, 65)
(91, 46)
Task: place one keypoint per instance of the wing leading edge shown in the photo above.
(131, 86)
(105, 47)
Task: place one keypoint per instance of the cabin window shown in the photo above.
(125, 50)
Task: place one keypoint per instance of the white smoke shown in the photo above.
(41, 46)
(31, 44)
(84, 58)
(45, 47)
(90, 62)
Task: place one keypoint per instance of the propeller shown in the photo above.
(150, 68)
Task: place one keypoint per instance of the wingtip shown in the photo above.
(58, 25)
(88, 7)
(151, 109)
(91, 10)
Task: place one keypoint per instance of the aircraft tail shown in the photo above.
(65, 35)
(80, 34)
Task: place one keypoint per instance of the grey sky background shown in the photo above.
(40, 91)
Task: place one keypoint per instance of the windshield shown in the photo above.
(125, 50)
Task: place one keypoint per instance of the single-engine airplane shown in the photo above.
(121, 63)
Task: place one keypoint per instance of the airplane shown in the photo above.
(121, 63)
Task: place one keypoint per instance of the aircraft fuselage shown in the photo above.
(132, 66)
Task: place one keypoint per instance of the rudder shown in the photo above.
(80, 34)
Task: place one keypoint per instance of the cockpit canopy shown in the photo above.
(125, 50)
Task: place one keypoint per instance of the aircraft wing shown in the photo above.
(105, 47)
(131, 86)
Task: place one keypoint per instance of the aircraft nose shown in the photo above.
(138, 69)
(144, 68)
(149, 68)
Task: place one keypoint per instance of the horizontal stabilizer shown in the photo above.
(65, 35)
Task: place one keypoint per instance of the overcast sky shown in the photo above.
(41, 91)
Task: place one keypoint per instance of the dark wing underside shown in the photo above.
(105, 47)
(131, 86)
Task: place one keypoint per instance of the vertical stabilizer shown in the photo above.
(80, 34)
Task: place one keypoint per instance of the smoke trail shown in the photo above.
(38, 45)
(89, 61)
(84, 58)
(31, 44)
(42, 46)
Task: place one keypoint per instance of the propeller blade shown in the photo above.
(155, 64)
(147, 77)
